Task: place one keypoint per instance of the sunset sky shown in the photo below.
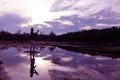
(60, 16)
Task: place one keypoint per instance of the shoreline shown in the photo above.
(85, 48)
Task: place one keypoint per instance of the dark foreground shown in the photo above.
(59, 61)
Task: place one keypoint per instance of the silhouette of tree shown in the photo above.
(94, 35)
(18, 32)
(52, 36)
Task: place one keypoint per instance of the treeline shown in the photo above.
(108, 34)
(18, 36)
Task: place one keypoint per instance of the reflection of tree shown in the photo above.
(56, 60)
(114, 54)
(19, 49)
(51, 48)
(42, 48)
(32, 65)
(4, 48)
(0, 59)
(66, 58)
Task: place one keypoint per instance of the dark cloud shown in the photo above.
(11, 22)
(103, 17)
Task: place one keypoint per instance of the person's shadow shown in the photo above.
(32, 64)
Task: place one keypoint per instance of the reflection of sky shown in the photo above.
(17, 63)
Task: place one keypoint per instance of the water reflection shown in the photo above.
(42, 48)
(51, 48)
(53, 63)
(93, 51)
(4, 48)
(32, 64)
(3, 73)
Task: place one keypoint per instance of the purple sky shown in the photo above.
(60, 16)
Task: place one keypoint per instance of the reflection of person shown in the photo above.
(32, 65)
(0, 59)
(32, 58)
(32, 38)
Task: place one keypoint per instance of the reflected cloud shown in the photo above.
(83, 73)
(40, 61)
(3, 73)
(102, 58)
(24, 55)
(59, 64)
(67, 59)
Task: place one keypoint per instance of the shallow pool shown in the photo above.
(53, 63)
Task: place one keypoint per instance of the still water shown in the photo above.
(53, 63)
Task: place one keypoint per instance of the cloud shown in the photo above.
(103, 19)
(65, 22)
(2, 3)
(12, 22)
(60, 16)
(87, 28)
(13, 19)
(85, 7)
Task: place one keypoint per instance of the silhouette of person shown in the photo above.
(32, 65)
(32, 39)
(32, 58)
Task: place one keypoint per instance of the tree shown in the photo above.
(52, 36)
(18, 31)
